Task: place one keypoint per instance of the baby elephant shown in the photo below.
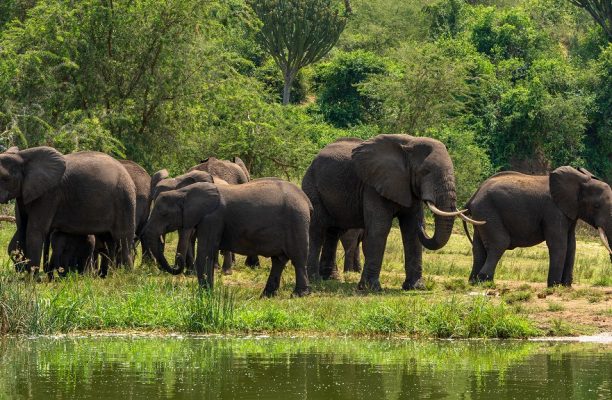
(524, 210)
(266, 217)
(71, 252)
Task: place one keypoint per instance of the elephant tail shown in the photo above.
(467, 231)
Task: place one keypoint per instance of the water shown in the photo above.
(249, 368)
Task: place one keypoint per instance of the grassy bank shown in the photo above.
(146, 299)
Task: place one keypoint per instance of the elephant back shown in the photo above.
(228, 171)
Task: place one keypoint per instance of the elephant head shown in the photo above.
(30, 173)
(406, 170)
(178, 209)
(580, 195)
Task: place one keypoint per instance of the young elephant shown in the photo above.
(71, 252)
(524, 210)
(185, 248)
(266, 217)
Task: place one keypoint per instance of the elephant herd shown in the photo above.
(87, 210)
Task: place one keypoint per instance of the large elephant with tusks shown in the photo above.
(366, 184)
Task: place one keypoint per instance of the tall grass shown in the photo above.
(210, 310)
(146, 299)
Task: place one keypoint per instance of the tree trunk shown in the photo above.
(287, 89)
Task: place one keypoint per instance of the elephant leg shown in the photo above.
(209, 239)
(34, 245)
(273, 283)
(349, 245)
(374, 243)
(205, 269)
(496, 241)
(557, 250)
(190, 256)
(183, 247)
(46, 253)
(488, 270)
(479, 255)
(302, 287)
(413, 251)
(316, 232)
(351, 242)
(227, 262)
(328, 268)
(252, 262)
(125, 253)
(570, 255)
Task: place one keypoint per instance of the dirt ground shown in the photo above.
(581, 309)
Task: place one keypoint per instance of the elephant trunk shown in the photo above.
(443, 225)
(155, 245)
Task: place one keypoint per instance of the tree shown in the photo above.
(336, 82)
(297, 33)
(600, 10)
(423, 91)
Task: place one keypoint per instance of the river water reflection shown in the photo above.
(266, 368)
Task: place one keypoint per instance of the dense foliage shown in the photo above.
(523, 84)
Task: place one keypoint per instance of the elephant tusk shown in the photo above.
(441, 213)
(7, 218)
(471, 221)
(161, 239)
(604, 239)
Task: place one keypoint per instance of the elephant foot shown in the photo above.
(252, 262)
(301, 292)
(269, 293)
(480, 278)
(414, 285)
(331, 276)
(356, 268)
(372, 285)
(189, 272)
(227, 271)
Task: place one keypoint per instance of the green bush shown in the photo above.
(338, 98)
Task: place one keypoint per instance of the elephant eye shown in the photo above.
(597, 205)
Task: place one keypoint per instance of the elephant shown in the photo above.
(234, 173)
(266, 217)
(71, 252)
(525, 210)
(360, 184)
(351, 243)
(80, 193)
(185, 248)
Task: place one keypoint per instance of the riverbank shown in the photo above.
(145, 299)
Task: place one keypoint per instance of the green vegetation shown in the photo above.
(523, 84)
(146, 299)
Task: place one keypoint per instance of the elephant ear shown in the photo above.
(382, 163)
(200, 200)
(44, 168)
(158, 177)
(565, 183)
(241, 164)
